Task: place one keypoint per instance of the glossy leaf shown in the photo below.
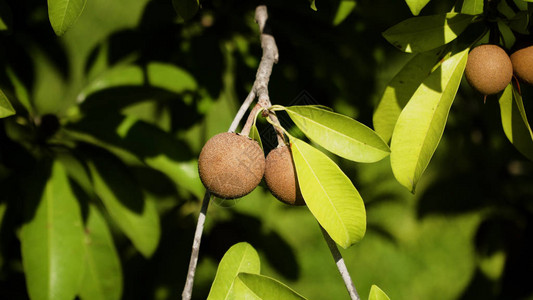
(127, 205)
(186, 8)
(339, 134)
(255, 286)
(329, 194)
(400, 89)
(472, 7)
(421, 123)
(64, 13)
(155, 74)
(514, 121)
(103, 275)
(344, 9)
(416, 5)
(52, 241)
(6, 16)
(6, 109)
(419, 34)
(377, 294)
(241, 257)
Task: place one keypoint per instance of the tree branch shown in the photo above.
(340, 265)
(259, 89)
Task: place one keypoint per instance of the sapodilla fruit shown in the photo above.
(280, 176)
(488, 69)
(231, 165)
(522, 61)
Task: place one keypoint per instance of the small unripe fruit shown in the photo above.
(231, 165)
(280, 176)
(523, 64)
(488, 69)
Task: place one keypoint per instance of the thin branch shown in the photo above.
(341, 265)
(259, 89)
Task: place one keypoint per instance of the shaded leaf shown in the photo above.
(186, 8)
(102, 278)
(343, 11)
(472, 7)
(6, 109)
(514, 121)
(377, 294)
(127, 205)
(6, 16)
(419, 34)
(21, 92)
(255, 286)
(312, 4)
(421, 123)
(400, 89)
(64, 13)
(339, 134)
(52, 241)
(241, 257)
(416, 5)
(329, 194)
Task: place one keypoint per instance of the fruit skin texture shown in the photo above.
(231, 165)
(280, 176)
(523, 64)
(488, 69)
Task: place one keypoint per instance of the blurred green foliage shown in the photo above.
(133, 83)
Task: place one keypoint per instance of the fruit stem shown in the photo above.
(339, 261)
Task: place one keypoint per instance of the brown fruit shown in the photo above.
(231, 165)
(523, 64)
(488, 69)
(280, 176)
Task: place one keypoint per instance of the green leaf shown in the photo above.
(186, 8)
(472, 7)
(255, 286)
(21, 92)
(339, 134)
(421, 123)
(254, 135)
(514, 121)
(102, 278)
(419, 34)
(6, 16)
(241, 257)
(377, 294)
(312, 4)
(329, 194)
(64, 13)
(400, 89)
(134, 213)
(507, 37)
(416, 5)
(154, 74)
(343, 11)
(52, 240)
(6, 109)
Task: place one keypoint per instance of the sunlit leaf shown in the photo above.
(64, 13)
(377, 294)
(329, 194)
(127, 205)
(6, 109)
(514, 121)
(159, 75)
(472, 7)
(52, 240)
(400, 89)
(420, 126)
(416, 5)
(339, 134)
(241, 257)
(419, 34)
(103, 275)
(255, 286)
(312, 4)
(343, 11)
(186, 8)
(6, 17)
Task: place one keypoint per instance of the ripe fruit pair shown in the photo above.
(489, 69)
(232, 165)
